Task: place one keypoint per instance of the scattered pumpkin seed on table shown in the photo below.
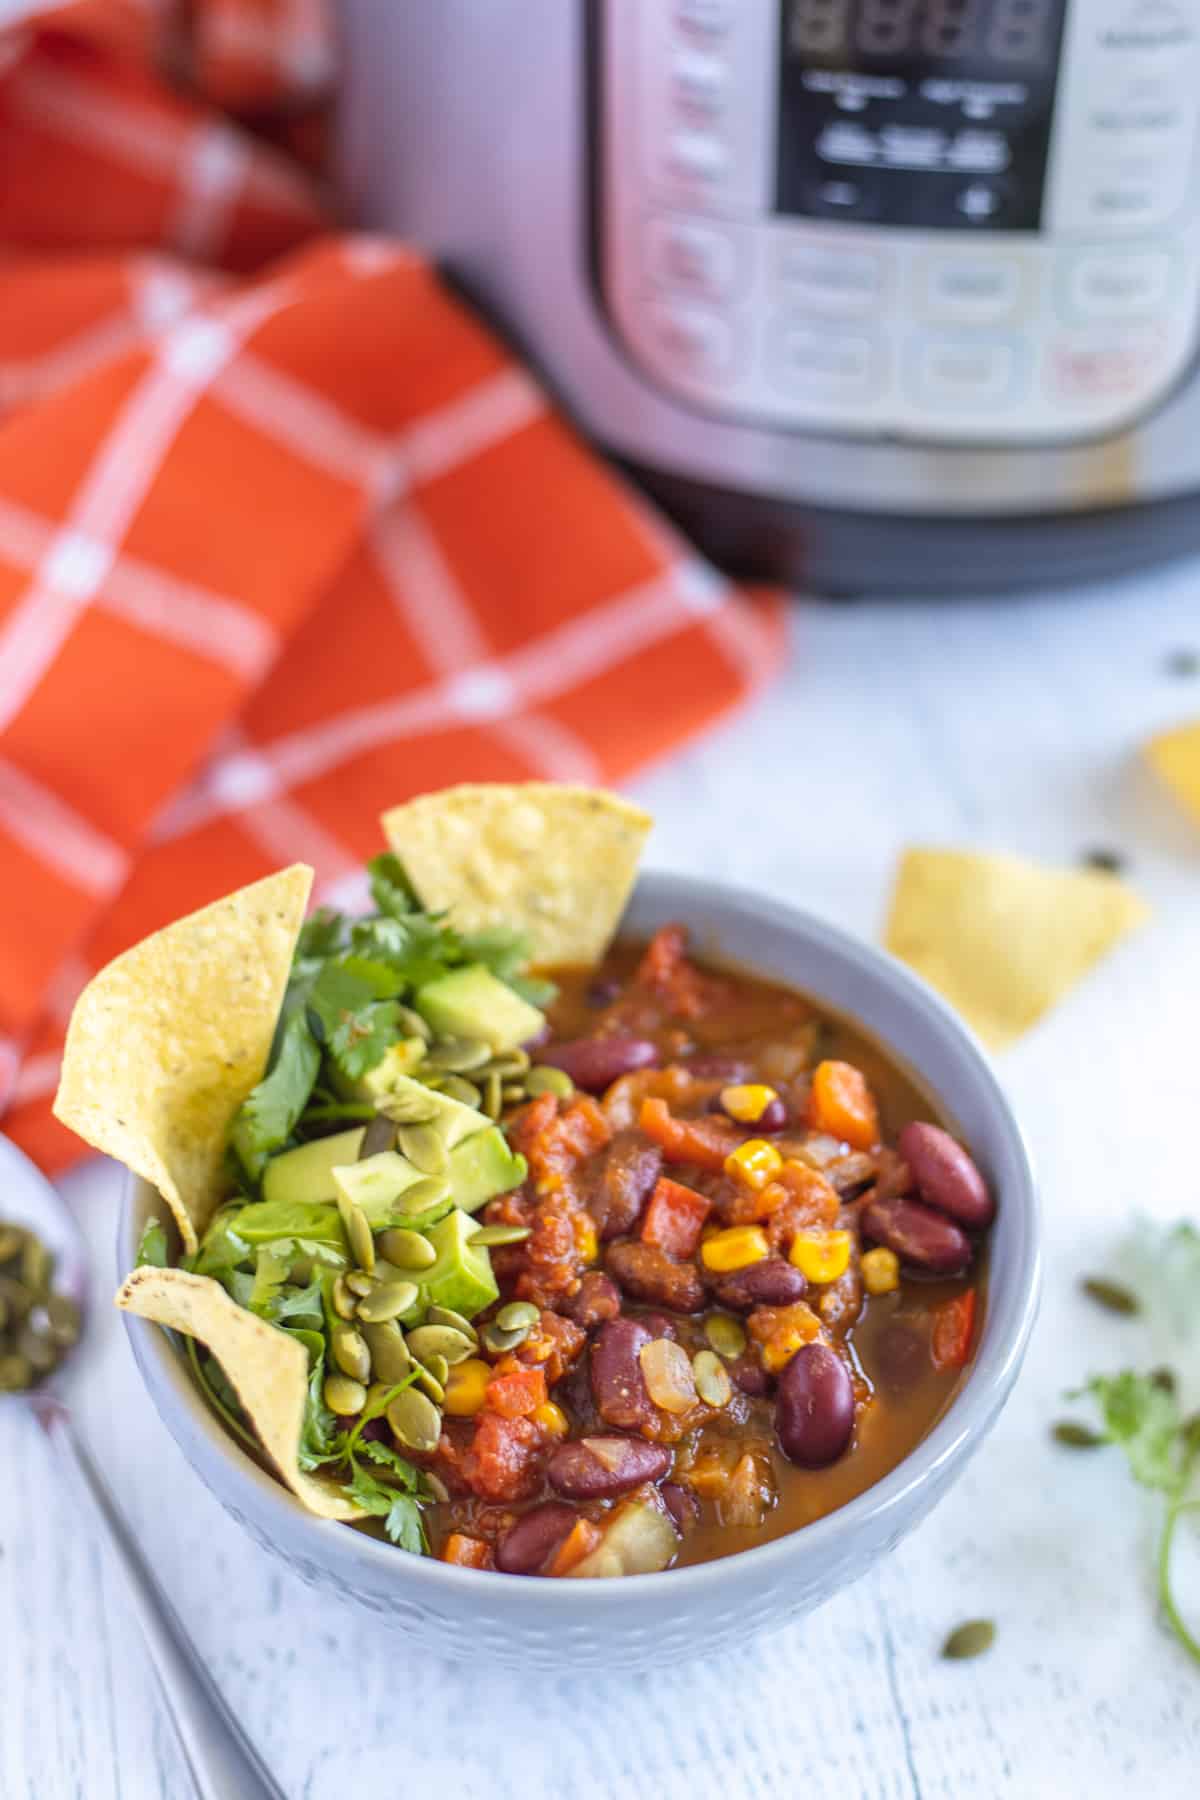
(1112, 1295)
(969, 1639)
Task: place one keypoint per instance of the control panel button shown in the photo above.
(698, 83)
(1103, 285)
(706, 16)
(692, 255)
(689, 340)
(1094, 369)
(696, 157)
(843, 197)
(824, 364)
(972, 288)
(961, 372)
(829, 280)
(984, 203)
(1142, 195)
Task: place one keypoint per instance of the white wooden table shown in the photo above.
(1008, 724)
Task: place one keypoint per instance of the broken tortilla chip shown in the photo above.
(1175, 758)
(268, 1369)
(1001, 938)
(554, 862)
(166, 1042)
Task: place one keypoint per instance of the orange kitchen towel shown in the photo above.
(286, 535)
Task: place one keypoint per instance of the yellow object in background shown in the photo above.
(1175, 758)
(1003, 939)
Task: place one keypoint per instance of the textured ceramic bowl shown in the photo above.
(621, 1624)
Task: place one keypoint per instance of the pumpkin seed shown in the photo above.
(37, 1349)
(511, 1093)
(389, 1353)
(971, 1639)
(437, 1486)
(440, 1340)
(496, 1341)
(415, 1421)
(359, 1284)
(36, 1264)
(459, 1055)
(1076, 1436)
(1111, 1295)
(500, 1234)
(444, 1315)
(407, 1249)
(544, 1080)
(379, 1135)
(439, 1368)
(350, 1351)
(387, 1301)
(423, 1194)
(516, 1314)
(726, 1335)
(427, 1380)
(411, 1024)
(493, 1095)
(62, 1319)
(457, 1088)
(343, 1296)
(343, 1395)
(425, 1148)
(358, 1233)
(15, 1374)
(11, 1240)
(412, 1107)
(712, 1382)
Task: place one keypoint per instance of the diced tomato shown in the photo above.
(675, 1218)
(579, 1542)
(665, 970)
(516, 1395)
(466, 1552)
(501, 1462)
(842, 1104)
(703, 1142)
(953, 1329)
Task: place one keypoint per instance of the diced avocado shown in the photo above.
(399, 1059)
(307, 1173)
(474, 1003)
(483, 1166)
(376, 1184)
(264, 1220)
(450, 1118)
(461, 1278)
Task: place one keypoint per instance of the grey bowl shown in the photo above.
(624, 1624)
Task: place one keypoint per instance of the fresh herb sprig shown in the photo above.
(344, 1006)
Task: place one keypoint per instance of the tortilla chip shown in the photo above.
(1175, 758)
(166, 1042)
(1001, 938)
(268, 1369)
(555, 862)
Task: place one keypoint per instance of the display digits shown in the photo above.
(819, 25)
(1019, 29)
(951, 27)
(885, 27)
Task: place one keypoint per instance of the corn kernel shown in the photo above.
(552, 1418)
(747, 1102)
(736, 1248)
(586, 1241)
(881, 1271)
(466, 1386)
(753, 1163)
(821, 1255)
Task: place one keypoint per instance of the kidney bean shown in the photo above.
(595, 1063)
(648, 1274)
(659, 1325)
(750, 1376)
(598, 1299)
(814, 1407)
(631, 1168)
(600, 1468)
(918, 1235)
(618, 1388)
(945, 1175)
(527, 1546)
(772, 1282)
(773, 1116)
(682, 1504)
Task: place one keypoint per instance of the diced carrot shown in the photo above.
(953, 1329)
(842, 1104)
(665, 969)
(518, 1394)
(579, 1542)
(703, 1142)
(466, 1552)
(674, 1218)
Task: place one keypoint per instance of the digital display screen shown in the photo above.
(930, 113)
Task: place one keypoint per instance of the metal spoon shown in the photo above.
(221, 1760)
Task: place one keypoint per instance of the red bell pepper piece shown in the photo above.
(953, 1329)
(703, 1142)
(675, 1218)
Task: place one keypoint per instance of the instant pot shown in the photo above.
(894, 294)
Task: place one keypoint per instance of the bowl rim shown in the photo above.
(969, 1415)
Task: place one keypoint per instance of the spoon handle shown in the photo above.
(220, 1758)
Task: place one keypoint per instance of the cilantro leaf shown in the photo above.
(221, 1249)
(378, 1452)
(291, 1302)
(352, 1023)
(265, 1118)
(400, 1513)
(319, 1437)
(152, 1250)
(321, 935)
(1142, 1416)
(390, 887)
